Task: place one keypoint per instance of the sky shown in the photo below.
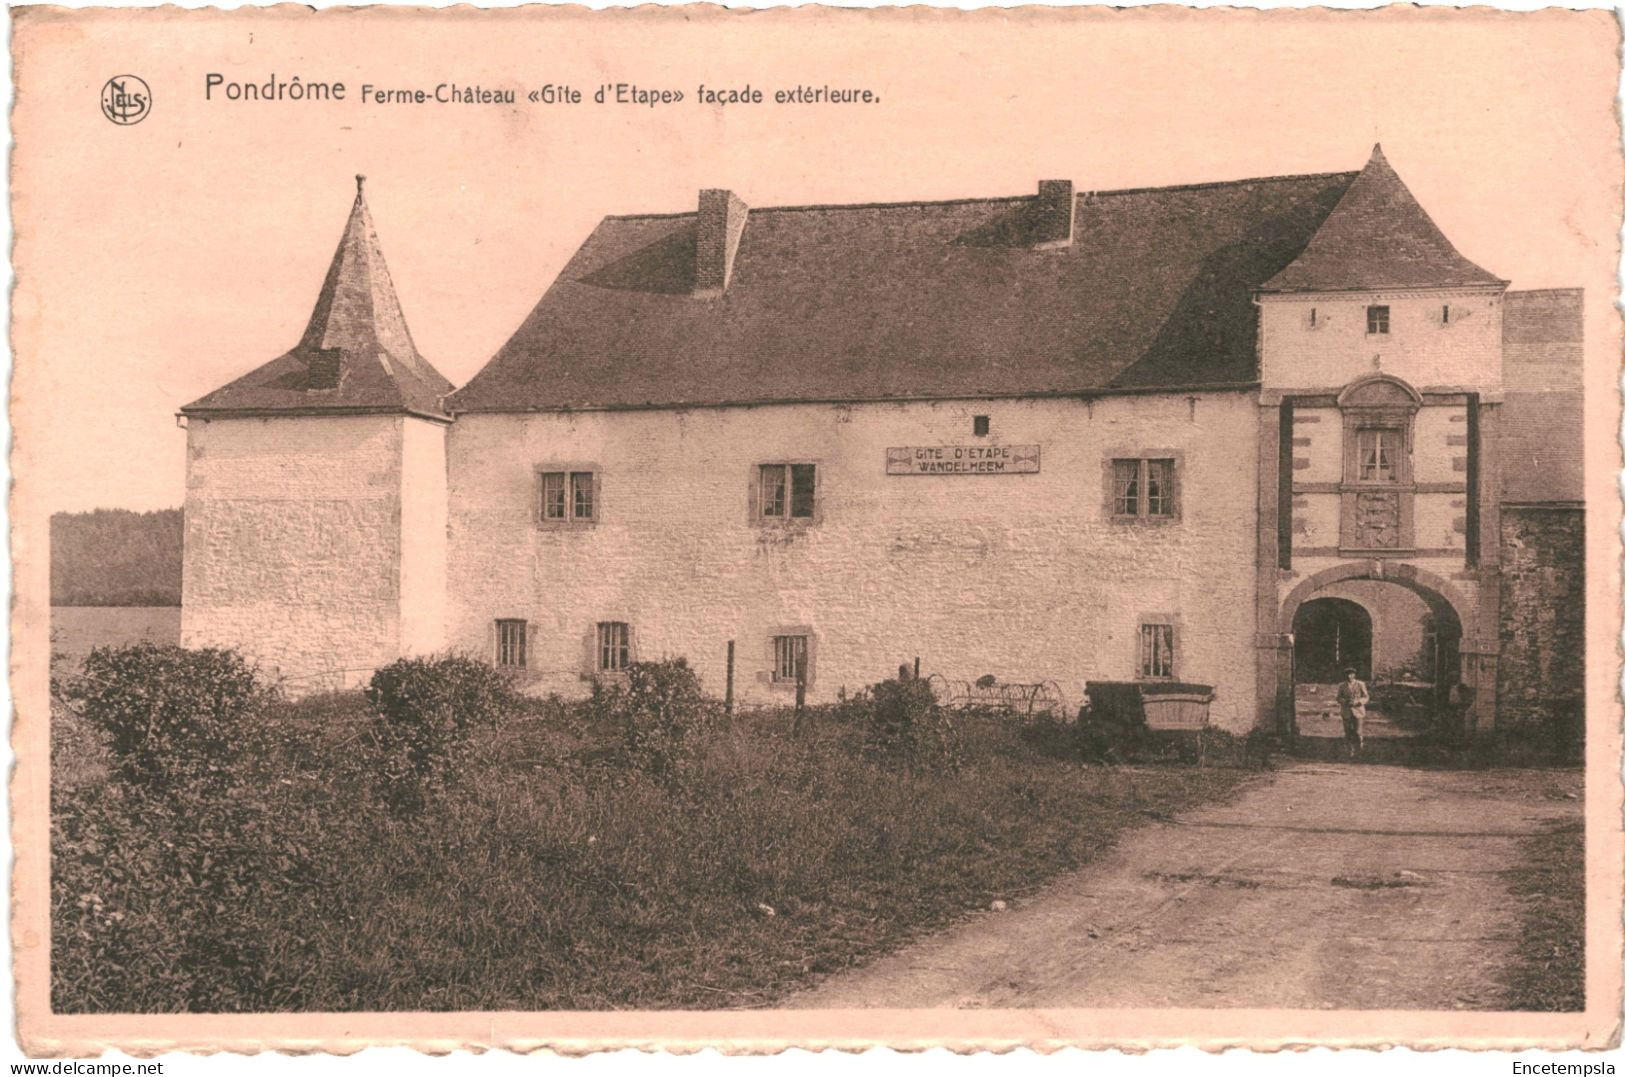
(158, 261)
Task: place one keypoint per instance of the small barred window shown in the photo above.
(511, 644)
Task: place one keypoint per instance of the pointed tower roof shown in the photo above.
(1378, 236)
(356, 354)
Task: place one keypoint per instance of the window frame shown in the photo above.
(1379, 324)
(600, 648)
(1175, 632)
(568, 474)
(1144, 458)
(501, 623)
(768, 672)
(1395, 440)
(756, 499)
(1357, 422)
(575, 499)
(805, 647)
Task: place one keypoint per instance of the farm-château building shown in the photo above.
(1240, 433)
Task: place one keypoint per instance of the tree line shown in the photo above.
(116, 557)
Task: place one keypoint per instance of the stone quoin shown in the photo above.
(1232, 433)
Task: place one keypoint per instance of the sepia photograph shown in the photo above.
(562, 529)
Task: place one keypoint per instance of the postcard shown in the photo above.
(683, 527)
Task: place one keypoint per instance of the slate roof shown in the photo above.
(1378, 237)
(914, 301)
(1542, 434)
(358, 323)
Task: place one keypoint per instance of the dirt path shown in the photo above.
(1325, 886)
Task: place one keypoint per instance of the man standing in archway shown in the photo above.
(1352, 696)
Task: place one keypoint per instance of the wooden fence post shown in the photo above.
(728, 699)
(801, 694)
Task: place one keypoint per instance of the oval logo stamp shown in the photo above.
(126, 99)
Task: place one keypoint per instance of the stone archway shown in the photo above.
(1438, 592)
(1472, 664)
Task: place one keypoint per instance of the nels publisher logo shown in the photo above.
(126, 99)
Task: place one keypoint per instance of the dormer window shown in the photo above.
(1376, 321)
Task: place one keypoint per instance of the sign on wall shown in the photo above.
(963, 460)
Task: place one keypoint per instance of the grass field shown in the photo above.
(76, 629)
(1550, 887)
(556, 876)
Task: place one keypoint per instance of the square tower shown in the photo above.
(1381, 382)
(316, 491)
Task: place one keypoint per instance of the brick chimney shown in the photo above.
(1052, 219)
(721, 223)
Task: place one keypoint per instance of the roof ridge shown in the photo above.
(1212, 184)
(970, 201)
(833, 205)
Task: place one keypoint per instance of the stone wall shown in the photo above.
(423, 537)
(1542, 667)
(292, 547)
(1025, 576)
(1329, 348)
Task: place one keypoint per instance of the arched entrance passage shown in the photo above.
(1330, 635)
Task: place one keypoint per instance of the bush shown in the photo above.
(663, 715)
(174, 869)
(173, 718)
(1053, 737)
(79, 755)
(850, 710)
(908, 728)
(426, 710)
(204, 899)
